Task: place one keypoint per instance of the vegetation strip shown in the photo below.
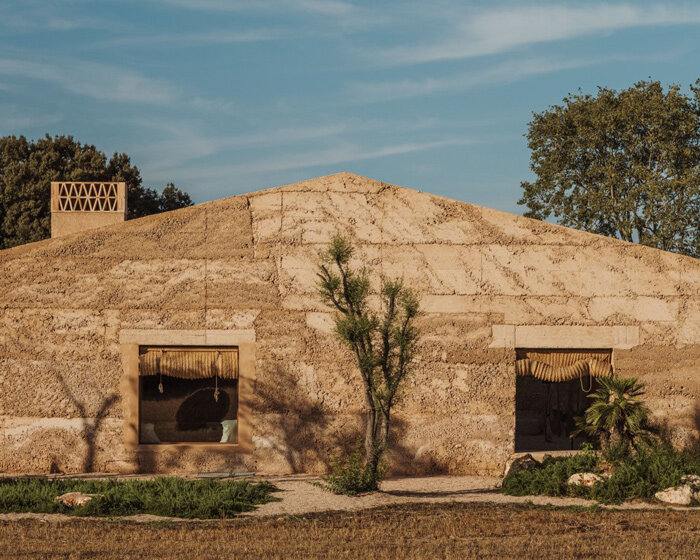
(165, 496)
(627, 475)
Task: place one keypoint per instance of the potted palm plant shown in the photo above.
(617, 416)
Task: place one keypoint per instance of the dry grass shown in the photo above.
(416, 531)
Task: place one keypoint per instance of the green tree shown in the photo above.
(173, 198)
(623, 164)
(617, 415)
(27, 168)
(384, 345)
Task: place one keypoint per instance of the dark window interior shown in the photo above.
(187, 411)
(545, 412)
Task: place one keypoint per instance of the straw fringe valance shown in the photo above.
(189, 364)
(564, 366)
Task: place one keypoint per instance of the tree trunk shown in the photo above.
(370, 437)
(370, 426)
(380, 441)
(614, 438)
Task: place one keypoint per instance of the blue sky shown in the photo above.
(227, 96)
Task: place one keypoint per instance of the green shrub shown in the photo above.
(642, 462)
(637, 474)
(616, 453)
(172, 497)
(352, 475)
(652, 467)
(550, 477)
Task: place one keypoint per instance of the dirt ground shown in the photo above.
(443, 530)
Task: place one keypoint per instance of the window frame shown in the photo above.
(191, 349)
(131, 340)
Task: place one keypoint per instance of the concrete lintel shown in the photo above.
(621, 337)
(503, 336)
(209, 337)
(228, 337)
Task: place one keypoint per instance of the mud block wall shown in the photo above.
(249, 262)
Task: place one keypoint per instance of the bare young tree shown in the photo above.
(383, 344)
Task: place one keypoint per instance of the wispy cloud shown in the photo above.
(215, 105)
(29, 16)
(322, 7)
(98, 81)
(506, 72)
(341, 153)
(503, 29)
(186, 143)
(213, 37)
(13, 117)
(177, 143)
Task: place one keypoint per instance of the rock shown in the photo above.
(586, 479)
(692, 479)
(75, 499)
(687, 494)
(523, 463)
(678, 496)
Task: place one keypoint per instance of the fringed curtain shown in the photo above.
(556, 366)
(189, 364)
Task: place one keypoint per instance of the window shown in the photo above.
(551, 391)
(188, 395)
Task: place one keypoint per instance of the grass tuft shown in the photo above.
(351, 476)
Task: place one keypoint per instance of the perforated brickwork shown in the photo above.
(88, 197)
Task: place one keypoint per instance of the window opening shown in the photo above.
(188, 395)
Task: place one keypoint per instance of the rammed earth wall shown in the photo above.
(248, 263)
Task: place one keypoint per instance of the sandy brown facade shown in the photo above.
(241, 271)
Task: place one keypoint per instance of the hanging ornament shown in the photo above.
(160, 373)
(590, 382)
(216, 376)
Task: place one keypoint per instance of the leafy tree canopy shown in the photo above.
(624, 164)
(27, 168)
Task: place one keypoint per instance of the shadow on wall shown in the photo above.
(91, 426)
(291, 424)
(685, 437)
(296, 426)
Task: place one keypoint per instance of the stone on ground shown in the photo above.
(524, 463)
(678, 496)
(692, 479)
(74, 499)
(587, 479)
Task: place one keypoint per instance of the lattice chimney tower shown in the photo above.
(78, 206)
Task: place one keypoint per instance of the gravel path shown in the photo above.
(299, 495)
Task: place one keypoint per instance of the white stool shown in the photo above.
(229, 434)
(148, 433)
